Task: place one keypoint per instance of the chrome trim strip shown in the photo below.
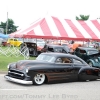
(17, 80)
(16, 73)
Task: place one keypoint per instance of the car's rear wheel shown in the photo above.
(90, 64)
(39, 79)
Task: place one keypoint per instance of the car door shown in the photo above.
(15, 42)
(10, 41)
(80, 53)
(64, 71)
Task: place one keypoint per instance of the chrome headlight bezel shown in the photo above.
(96, 60)
(26, 70)
(11, 65)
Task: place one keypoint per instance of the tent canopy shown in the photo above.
(57, 28)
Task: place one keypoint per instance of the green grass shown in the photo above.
(4, 60)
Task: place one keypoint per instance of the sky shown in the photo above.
(25, 12)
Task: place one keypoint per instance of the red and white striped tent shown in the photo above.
(57, 28)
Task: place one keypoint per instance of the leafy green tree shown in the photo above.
(83, 17)
(8, 26)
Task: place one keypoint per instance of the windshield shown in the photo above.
(40, 44)
(46, 58)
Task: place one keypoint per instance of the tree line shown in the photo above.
(8, 26)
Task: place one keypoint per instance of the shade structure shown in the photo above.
(15, 34)
(51, 27)
(3, 35)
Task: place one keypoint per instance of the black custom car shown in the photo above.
(90, 55)
(56, 48)
(51, 67)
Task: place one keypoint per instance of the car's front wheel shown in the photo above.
(39, 79)
(90, 64)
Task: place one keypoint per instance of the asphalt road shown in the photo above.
(63, 91)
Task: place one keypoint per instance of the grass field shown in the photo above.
(4, 60)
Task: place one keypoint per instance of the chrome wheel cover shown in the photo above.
(39, 79)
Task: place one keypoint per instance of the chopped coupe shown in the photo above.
(51, 68)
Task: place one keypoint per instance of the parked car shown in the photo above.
(3, 42)
(14, 42)
(51, 68)
(97, 45)
(56, 48)
(90, 55)
(32, 47)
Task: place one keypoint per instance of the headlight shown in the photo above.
(96, 60)
(22, 74)
(11, 65)
(26, 70)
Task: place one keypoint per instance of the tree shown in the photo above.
(10, 26)
(82, 17)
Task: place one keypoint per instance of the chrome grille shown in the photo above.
(16, 74)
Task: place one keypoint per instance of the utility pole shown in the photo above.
(7, 23)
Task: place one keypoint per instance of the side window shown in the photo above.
(11, 39)
(15, 39)
(82, 51)
(63, 51)
(67, 60)
(59, 60)
(50, 49)
(58, 49)
(77, 50)
(75, 61)
(63, 60)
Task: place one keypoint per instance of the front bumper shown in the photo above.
(17, 80)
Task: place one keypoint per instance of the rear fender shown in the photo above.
(88, 74)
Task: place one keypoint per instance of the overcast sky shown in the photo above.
(25, 12)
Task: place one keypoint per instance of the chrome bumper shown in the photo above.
(17, 80)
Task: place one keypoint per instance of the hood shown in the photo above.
(94, 56)
(20, 65)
